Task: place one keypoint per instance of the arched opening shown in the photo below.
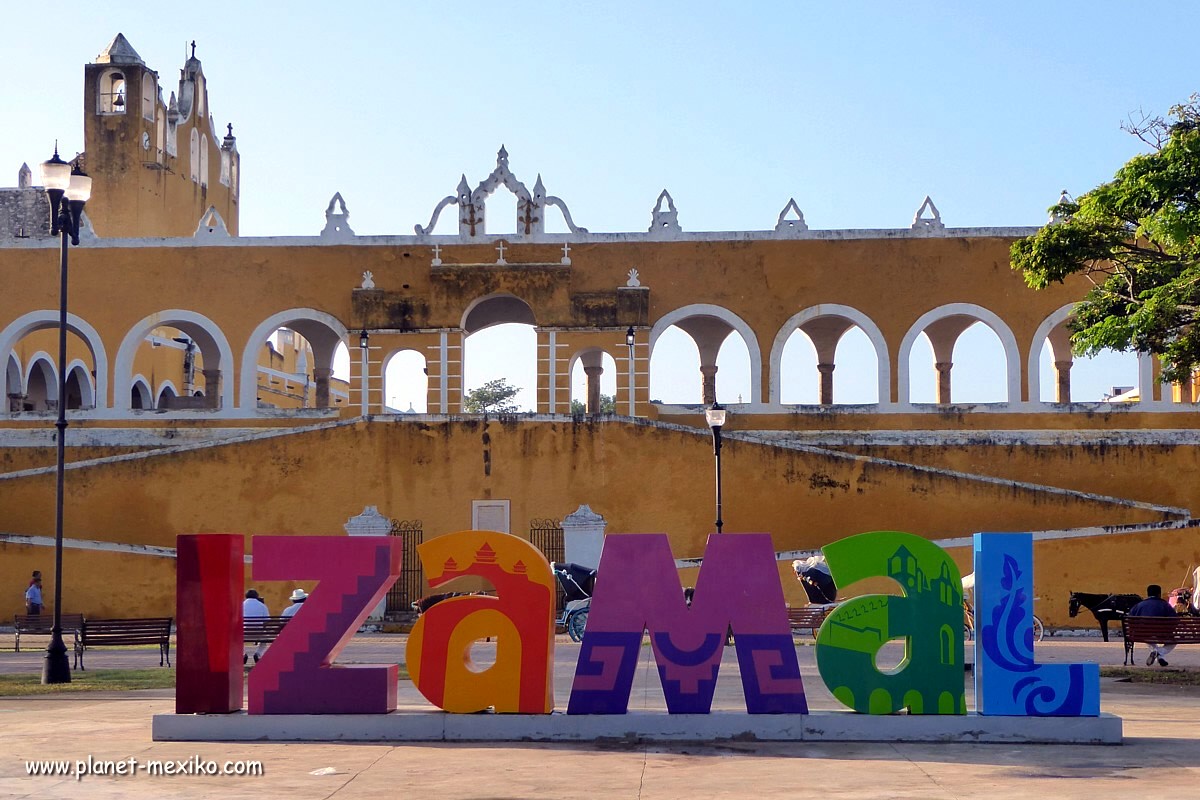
(829, 360)
(41, 386)
(500, 217)
(405, 383)
(35, 335)
(80, 393)
(13, 384)
(181, 347)
(593, 383)
(204, 160)
(112, 93)
(500, 344)
(736, 358)
(140, 397)
(167, 397)
(674, 365)
(194, 153)
(300, 360)
(967, 342)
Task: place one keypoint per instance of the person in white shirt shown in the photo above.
(252, 606)
(298, 598)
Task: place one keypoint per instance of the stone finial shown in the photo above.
(1055, 215)
(501, 157)
(931, 223)
(24, 177)
(633, 281)
(793, 224)
(212, 224)
(368, 280)
(337, 224)
(664, 221)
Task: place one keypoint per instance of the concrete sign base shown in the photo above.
(639, 726)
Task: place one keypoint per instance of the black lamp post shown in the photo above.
(61, 183)
(716, 419)
(364, 342)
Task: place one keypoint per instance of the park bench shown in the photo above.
(262, 629)
(807, 618)
(1159, 630)
(126, 633)
(43, 624)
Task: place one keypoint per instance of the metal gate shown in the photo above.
(547, 535)
(411, 584)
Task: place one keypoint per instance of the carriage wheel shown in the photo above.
(575, 625)
(1039, 630)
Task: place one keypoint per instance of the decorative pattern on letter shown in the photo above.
(928, 616)
(520, 618)
(297, 676)
(1007, 680)
(738, 587)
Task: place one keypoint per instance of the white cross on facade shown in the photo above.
(566, 259)
(501, 249)
(437, 255)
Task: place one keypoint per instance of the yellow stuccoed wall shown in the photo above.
(642, 478)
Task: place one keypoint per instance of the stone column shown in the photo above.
(826, 394)
(593, 388)
(583, 537)
(708, 384)
(371, 523)
(212, 388)
(322, 375)
(1062, 392)
(943, 381)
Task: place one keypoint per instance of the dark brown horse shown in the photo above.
(1105, 607)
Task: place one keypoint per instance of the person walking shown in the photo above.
(1155, 606)
(253, 606)
(33, 595)
(298, 597)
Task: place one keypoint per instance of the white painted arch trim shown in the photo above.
(88, 394)
(1034, 364)
(574, 359)
(147, 392)
(38, 320)
(161, 388)
(123, 371)
(1012, 356)
(861, 320)
(248, 375)
(728, 317)
(41, 356)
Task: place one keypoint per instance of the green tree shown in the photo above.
(608, 405)
(494, 396)
(1136, 240)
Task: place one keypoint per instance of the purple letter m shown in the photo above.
(738, 588)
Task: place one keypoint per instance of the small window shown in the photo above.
(195, 156)
(204, 160)
(112, 93)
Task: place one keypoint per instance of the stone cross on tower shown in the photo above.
(437, 256)
(501, 260)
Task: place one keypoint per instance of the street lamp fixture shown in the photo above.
(715, 415)
(68, 189)
(364, 340)
(629, 337)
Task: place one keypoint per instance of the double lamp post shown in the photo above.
(68, 190)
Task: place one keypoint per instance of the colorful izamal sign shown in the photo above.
(737, 590)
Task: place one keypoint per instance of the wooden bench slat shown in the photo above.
(1159, 630)
(807, 617)
(262, 629)
(43, 625)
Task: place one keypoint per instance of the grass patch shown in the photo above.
(93, 680)
(1165, 677)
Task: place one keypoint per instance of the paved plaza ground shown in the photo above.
(1161, 754)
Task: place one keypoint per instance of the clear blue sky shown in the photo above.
(858, 110)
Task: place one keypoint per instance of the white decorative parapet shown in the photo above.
(793, 225)
(371, 523)
(583, 536)
(664, 222)
(932, 223)
(212, 224)
(337, 224)
(472, 218)
(1055, 216)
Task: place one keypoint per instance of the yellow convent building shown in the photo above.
(223, 383)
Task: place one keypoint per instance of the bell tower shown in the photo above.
(157, 168)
